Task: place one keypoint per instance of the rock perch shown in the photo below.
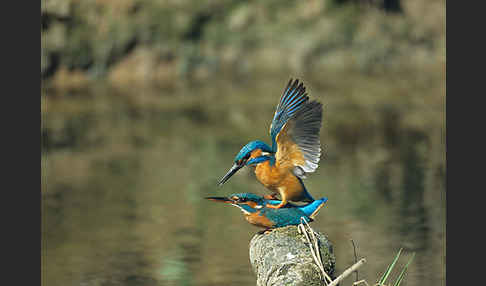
(283, 257)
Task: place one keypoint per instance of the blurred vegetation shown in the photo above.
(160, 42)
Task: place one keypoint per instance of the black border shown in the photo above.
(21, 120)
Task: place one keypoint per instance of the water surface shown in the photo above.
(124, 173)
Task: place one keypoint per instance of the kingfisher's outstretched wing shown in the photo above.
(298, 142)
(291, 101)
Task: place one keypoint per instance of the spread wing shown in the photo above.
(298, 142)
(291, 101)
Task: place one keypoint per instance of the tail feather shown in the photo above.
(313, 208)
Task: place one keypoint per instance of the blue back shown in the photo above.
(291, 215)
(285, 216)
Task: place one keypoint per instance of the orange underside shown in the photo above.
(279, 179)
(259, 220)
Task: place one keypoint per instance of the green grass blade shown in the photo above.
(389, 269)
(400, 277)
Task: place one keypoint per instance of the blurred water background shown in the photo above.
(145, 103)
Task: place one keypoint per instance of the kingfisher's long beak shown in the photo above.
(220, 199)
(230, 173)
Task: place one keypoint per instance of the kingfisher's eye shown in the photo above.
(244, 159)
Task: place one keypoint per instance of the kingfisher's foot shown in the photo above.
(270, 197)
(276, 206)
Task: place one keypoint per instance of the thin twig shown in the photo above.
(355, 258)
(348, 272)
(316, 245)
(317, 257)
(304, 231)
(360, 282)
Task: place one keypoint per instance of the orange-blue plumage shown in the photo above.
(295, 147)
(257, 212)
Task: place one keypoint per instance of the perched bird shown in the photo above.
(257, 213)
(295, 147)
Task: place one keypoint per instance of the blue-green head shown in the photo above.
(245, 158)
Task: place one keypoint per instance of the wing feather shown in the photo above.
(298, 142)
(291, 101)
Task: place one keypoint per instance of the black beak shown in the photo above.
(230, 173)
(220, 199)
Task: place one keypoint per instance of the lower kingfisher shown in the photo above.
(257, 212)
(295, 149)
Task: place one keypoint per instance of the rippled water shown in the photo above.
(124, 173)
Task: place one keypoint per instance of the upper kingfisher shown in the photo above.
(295, 147)
(257, 212)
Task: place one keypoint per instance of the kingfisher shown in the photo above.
(295, 150)
(256, 210)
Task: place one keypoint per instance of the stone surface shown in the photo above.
(283, 257)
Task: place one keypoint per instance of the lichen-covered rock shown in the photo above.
(283, 257)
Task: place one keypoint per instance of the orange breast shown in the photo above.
(268, 175)
(259, 220)
(279, 180)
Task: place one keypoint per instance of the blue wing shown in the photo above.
(292, 100)
(286, 216)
